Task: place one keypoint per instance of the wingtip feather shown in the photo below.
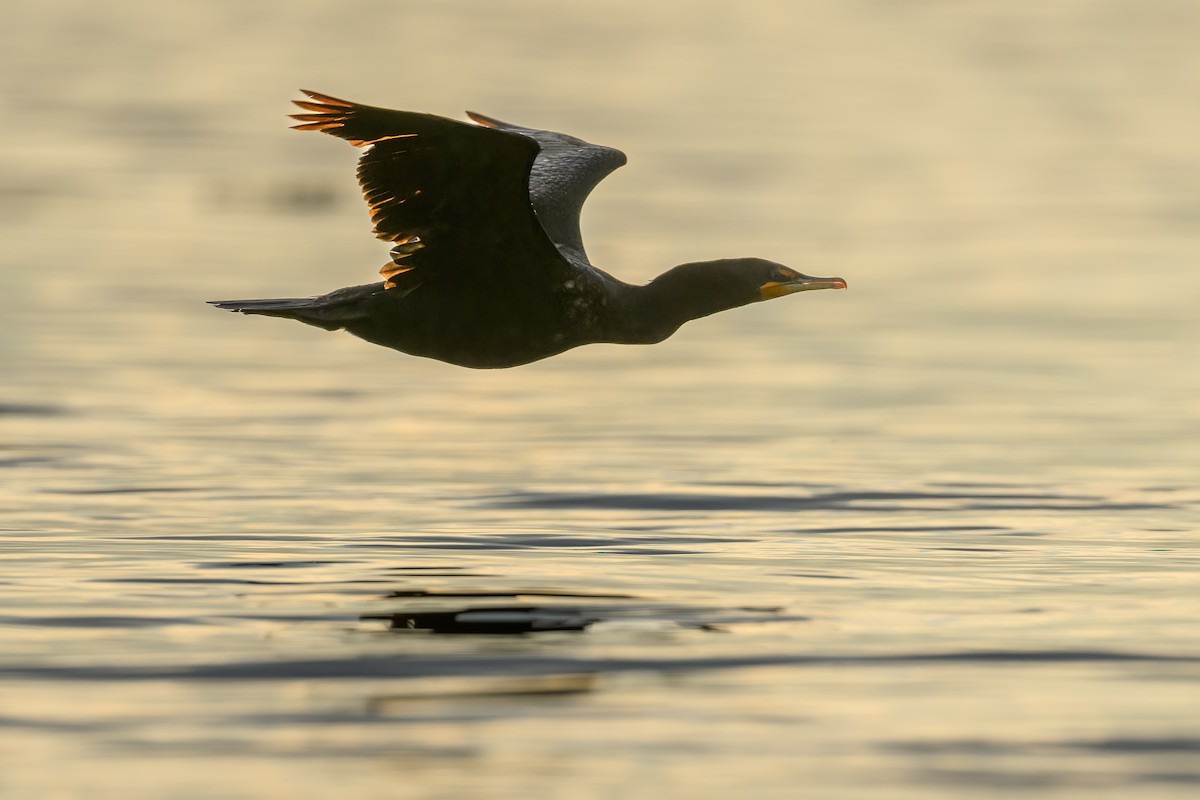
(488, 122)
(326, 99)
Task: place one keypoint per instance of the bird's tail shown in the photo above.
(331, 311)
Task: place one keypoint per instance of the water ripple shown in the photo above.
(833, 500)
(417, 666)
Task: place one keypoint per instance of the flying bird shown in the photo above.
(487, 267)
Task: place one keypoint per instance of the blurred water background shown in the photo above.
(931, 537)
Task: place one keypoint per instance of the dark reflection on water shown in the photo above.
(98, 621)
(523, 619)
(218, 581)
(1140, 745)
(131, 490)
(31, 410)
(410, 666)
(615, 543)
(903, 529)
(914, 501)
(510, 593)
(266, 564)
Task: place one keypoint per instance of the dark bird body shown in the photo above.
(488, 267)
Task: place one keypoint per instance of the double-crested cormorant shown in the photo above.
(488, 268)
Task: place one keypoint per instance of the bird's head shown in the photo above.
(711, 286)
(695, 290)
(773, 280)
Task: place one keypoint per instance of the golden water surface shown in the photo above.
(934, 536)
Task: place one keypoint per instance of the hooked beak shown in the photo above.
(801, 283)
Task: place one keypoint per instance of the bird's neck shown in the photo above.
(656, 310)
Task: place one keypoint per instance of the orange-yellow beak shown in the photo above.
(801, 283)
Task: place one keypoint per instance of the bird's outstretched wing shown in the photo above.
(452, 196)
(564, 173)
